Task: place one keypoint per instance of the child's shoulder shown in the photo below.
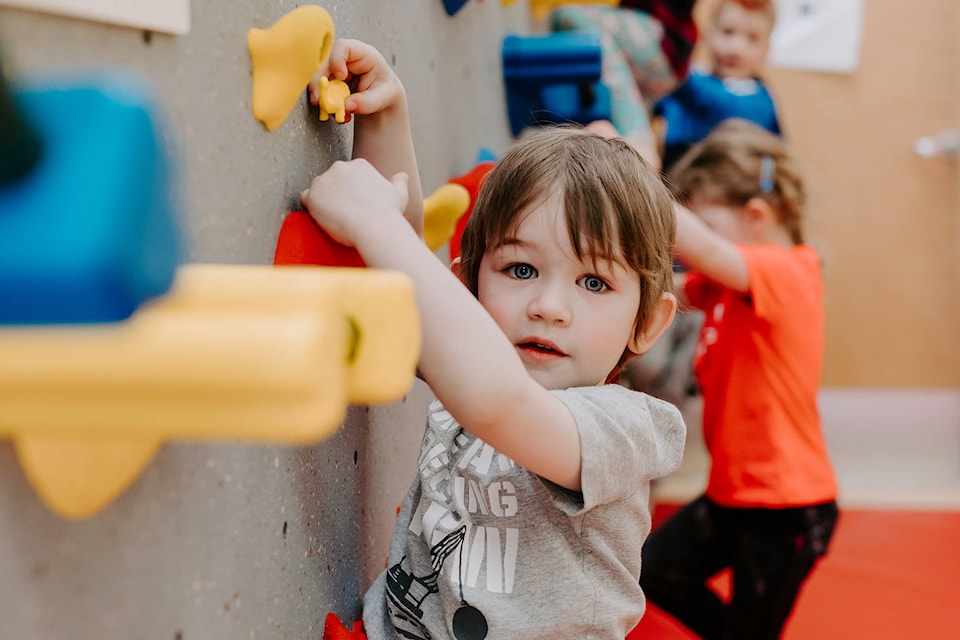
(788, 279)
(801, 256)
(637, 435)
(617, 404)
(611, 392)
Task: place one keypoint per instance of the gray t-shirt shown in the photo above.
(485, 549)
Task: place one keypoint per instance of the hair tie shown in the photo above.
(768, 173)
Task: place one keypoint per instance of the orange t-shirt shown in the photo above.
(759, 364)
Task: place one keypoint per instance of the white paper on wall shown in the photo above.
(817, 35)
(170, 16)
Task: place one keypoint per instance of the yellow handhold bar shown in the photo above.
(231, 352)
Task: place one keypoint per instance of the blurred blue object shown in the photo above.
(452, 6)
(554, 78)
(90, 232)
(486, 155)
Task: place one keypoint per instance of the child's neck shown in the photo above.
(777, 234)
(738, 76)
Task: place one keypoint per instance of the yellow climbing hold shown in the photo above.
(540, 9)
(285, 58)
(441, 210)
(331, 95)
(78, 476)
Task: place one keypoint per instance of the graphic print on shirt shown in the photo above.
(709, 333)
(407, 591)
(464, 514)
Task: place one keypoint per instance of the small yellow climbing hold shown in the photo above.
(331, 97)
(540, 9)
(441, 210)
(285, 58)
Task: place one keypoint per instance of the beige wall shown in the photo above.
(888, 221)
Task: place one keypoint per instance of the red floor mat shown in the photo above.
(889, 575)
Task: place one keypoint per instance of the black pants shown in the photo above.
(770, 552)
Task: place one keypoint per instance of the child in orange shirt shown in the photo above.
(769, 509)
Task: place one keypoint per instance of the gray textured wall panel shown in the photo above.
(224, 540)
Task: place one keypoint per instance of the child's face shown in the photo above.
(569, 321)
(739, 40)
(724, 219)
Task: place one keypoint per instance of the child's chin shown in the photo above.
(546, 379)
(556, 382)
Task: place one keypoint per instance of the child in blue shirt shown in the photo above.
(738, 42)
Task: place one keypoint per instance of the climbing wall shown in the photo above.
(231, 539)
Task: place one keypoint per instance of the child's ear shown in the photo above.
(658, 322)
(455, 268)
(760, 216)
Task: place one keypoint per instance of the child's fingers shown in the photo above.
(603, 128)
(313, 88)
(351, 58)
(337, 63)
(369, 101)
(354, 104)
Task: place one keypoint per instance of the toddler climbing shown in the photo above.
(529, 505)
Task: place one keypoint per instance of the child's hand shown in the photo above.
(382, 135)
(350, 198)
(373, 84)
(603, 128)
(645, 146)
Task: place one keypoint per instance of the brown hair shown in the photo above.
(615, 204)
(763, 6)
(727, 167)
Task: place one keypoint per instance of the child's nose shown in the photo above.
(550, 304)
(740, 44)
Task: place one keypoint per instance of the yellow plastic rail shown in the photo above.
(441, 211)
(249, 353)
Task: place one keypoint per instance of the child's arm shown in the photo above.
(680, 289)
(701, 249)
(647, 147)
(381, 133)
(467, 361)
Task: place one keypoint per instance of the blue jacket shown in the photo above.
(704, 101)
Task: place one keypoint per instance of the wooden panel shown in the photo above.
(171, 16)
(886, 220)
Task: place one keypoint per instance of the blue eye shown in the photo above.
(593, 284)
(521, 271)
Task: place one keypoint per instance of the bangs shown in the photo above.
(594, 227)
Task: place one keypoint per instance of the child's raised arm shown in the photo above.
(466, 359)
(382, 128)
(702, 249)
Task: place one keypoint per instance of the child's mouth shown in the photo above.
(538, 349)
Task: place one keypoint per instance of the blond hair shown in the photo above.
(739, 161)
(615, 206)
(767, 7)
